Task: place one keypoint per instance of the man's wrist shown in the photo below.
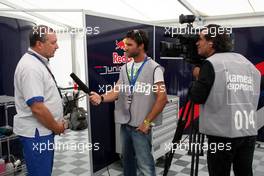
(58, 129)
(148, 122)
(102, 98)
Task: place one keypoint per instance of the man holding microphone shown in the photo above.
(136, 110)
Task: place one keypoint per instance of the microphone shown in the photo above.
(81, 85)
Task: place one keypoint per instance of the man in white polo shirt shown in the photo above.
(38, 102)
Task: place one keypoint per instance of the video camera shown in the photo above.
(182, 41)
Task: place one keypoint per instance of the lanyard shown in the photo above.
(133, 79)
(36, 56)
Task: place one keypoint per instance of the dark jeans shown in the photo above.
(240, 154)
(136, 152)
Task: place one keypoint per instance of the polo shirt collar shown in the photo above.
(44, 59)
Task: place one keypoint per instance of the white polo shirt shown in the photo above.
(33, 83)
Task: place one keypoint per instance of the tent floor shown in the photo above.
(74, 162)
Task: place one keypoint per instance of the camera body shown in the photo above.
(183, 41)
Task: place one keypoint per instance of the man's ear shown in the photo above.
(38, 44)
(211, 44)
(141, 46)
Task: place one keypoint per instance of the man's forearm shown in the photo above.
(111, 95)
(199, 92)
(41, 112)
(201, 88)
(157, 108)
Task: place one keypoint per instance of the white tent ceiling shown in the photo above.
(227, 7)
(69, 12)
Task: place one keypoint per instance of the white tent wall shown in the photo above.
(79, 63)
(61, 63)
(69, 57)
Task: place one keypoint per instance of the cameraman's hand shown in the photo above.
(95, 98)
(196, 72)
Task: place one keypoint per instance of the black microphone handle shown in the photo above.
(81, 84)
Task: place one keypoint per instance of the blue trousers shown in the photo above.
(38, 153)
(136, 152)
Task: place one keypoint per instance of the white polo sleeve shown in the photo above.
(158, 75)
(32, 86)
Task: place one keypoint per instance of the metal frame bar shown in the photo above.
(4, 14)
(87, 101)
(89, 12)
(37, 10)
(73, 52)
(236, 16)
(189, 7)
(240, 20)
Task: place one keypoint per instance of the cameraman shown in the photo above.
(228, 87)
